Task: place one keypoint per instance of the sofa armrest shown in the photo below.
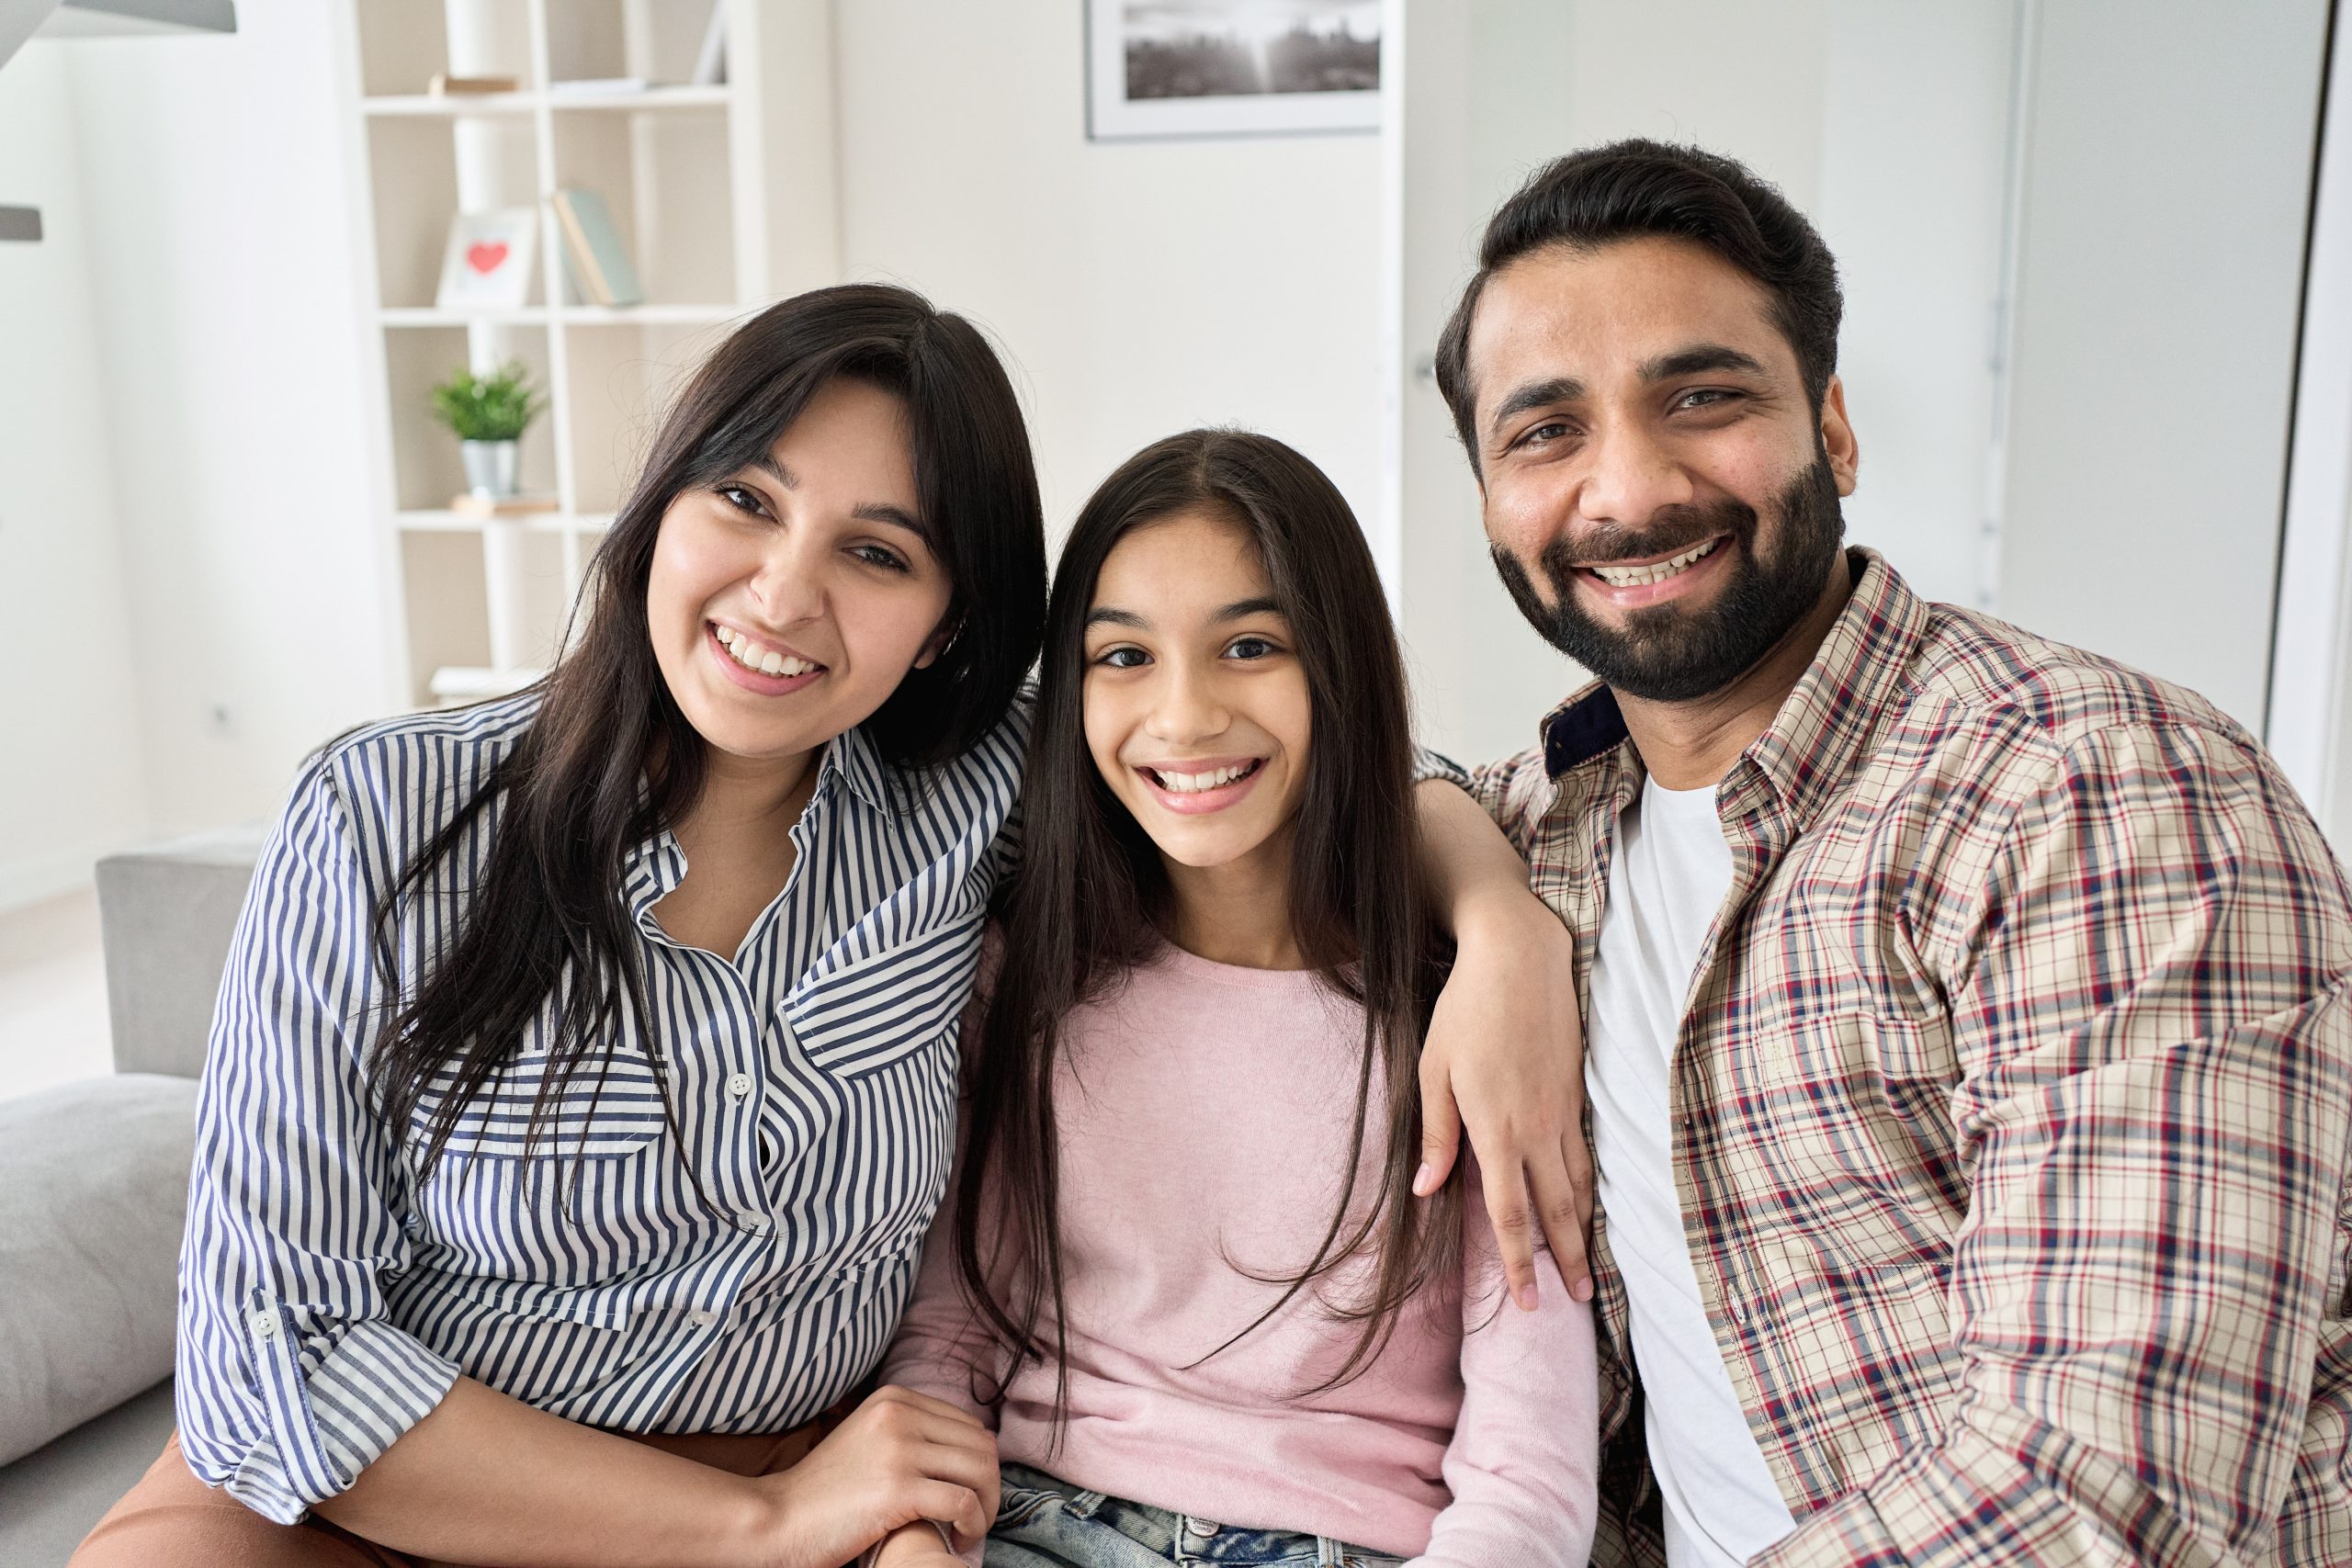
(167, 914)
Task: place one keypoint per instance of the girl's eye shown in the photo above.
(742, 498)
(876, 555)
(1251, 647)
(1122, 658)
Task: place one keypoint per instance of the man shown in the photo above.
(1970, 1063)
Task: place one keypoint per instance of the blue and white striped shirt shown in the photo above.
(328, 1300)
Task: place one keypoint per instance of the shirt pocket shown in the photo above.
(1849, 1123)
(605, 1110)
(863, 1009)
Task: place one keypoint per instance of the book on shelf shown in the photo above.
(445, 85)
(593, 252)
(710, 61)
(488, 508)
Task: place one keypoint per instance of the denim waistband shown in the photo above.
(1187, 1538)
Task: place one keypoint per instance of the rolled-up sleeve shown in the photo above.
(292, 1379)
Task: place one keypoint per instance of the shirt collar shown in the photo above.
(656, 864)
(1824, 722)
(858, 763)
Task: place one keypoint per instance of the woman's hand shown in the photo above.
(915, 1546)
(1505, 1050)
(901, 1458)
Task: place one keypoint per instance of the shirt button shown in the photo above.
(753, 1221)
(265, 1323)
(703, 1319)
(738, 1085)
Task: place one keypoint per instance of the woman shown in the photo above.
(585, 1062)
(1186, 1279)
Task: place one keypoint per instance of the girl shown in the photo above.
(585, 1062)
(1186, 1279)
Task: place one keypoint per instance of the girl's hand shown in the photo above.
(915, 1546)
(899, 1458)
(1505, 1054)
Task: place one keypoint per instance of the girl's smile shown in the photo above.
(1196, 786)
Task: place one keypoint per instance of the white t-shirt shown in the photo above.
(1665, 882)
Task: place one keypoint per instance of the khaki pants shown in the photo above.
(173, 1520)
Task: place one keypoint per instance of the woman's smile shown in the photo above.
(759, 666)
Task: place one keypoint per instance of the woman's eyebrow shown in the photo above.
(864, 512)
(1241, 608)
(1104, 615)
(896, 516)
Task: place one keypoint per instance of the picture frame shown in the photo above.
(1197, 68)
(488, 264)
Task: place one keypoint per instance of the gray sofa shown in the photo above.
(93, 1187)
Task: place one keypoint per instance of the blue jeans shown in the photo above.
(1046, 1523)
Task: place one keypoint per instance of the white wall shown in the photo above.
(189, 597)
(73, 782)
(2167, 187)
(1886, 125)
(1139, 287)
(230, 329)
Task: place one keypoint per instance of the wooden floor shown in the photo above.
(52, 994)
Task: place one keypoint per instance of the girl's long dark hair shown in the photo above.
(611, 760)
(1092, 896)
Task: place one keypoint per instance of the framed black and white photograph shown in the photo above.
(1231, 67)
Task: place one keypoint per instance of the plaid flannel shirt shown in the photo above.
(2012, 1099)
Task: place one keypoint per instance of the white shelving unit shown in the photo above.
(725, 193)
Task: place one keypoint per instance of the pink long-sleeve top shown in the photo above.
(1205, 1115)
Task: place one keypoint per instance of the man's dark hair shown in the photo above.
(1628, 189)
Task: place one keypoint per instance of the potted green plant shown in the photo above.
(488, 411)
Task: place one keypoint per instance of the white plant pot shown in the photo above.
(491, 466)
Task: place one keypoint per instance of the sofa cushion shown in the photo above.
(93, 1195)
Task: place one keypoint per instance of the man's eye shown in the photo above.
(1122, 658)
(1543, 435)
(1704, 397)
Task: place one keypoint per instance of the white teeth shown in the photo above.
(1193, 784)
(760, 661)
(1658, 571)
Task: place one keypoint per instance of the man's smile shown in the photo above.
(1630, 585)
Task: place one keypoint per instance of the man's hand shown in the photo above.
(1505, 1054)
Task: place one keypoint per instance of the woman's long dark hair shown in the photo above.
(1092, 897)
(610, 760)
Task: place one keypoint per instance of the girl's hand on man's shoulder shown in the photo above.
(1504, 1058)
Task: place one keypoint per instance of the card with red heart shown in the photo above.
(489, 263)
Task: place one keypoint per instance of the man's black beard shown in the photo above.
(1666, 654)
